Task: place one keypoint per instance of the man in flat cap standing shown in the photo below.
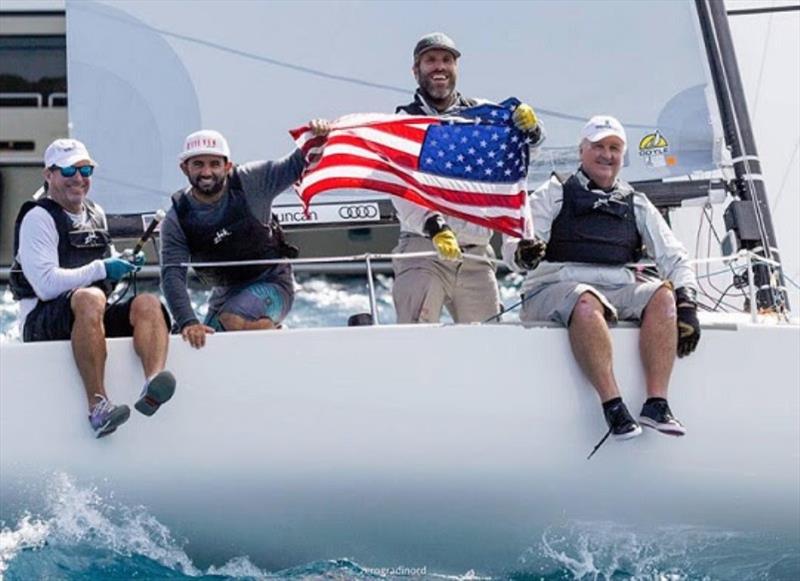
(422, 286)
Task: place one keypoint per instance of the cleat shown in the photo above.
(157, 391)
(106, 417)
(657, 416)
(620, 422)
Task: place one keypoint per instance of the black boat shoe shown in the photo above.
(657, 415)
(621, 422)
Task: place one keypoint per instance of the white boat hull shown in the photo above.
(451, 448)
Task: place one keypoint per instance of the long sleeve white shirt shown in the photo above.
(38, 256)
(660, 243)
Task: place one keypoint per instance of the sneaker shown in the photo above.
(657, 415)
(621, 422)
(157, 391)
(106, 417)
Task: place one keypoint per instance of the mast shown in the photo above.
(749, 216)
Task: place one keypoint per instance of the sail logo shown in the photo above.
(221, 235)
(653, 149)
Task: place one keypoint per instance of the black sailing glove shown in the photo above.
(688, 325)
(529, 253)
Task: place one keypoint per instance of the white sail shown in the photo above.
(142, 75)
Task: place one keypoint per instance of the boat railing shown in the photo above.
(22, 99)
(742, 259)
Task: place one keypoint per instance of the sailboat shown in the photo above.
(450, 446)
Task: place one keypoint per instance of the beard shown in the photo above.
(436, 91)
(208, 187)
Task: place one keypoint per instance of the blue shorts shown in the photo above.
(258, 300)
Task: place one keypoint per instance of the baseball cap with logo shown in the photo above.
(602, 126)
(66, 152)
(435, 40)
(205, 142)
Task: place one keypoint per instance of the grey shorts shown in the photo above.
(255, 301)
(556, 301)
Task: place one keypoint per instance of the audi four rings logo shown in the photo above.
(356, 212)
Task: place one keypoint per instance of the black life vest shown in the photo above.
(594, 227)
(238, 235)
(416, 106)
(77, 246)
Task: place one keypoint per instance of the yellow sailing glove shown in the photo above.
(525, 118)
(447, 245)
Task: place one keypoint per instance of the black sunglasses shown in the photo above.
(69, 171)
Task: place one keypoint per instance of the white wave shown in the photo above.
(29, 534)
(603, 550)
(80, 515)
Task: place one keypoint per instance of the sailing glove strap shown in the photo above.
(529, 253)
(688, 324)
(116, 268)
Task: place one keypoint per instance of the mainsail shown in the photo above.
(142, 76)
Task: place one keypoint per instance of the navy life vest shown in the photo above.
(77, 246)
(416, 106)
(238, 235)
(594, 227)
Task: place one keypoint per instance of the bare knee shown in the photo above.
(661, 306)
(88, 304)
(588, 310)
(145, 307)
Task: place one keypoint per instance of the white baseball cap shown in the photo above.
(205, 142)
(602, 126)
(66, 152)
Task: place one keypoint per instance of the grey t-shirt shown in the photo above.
(262, 181)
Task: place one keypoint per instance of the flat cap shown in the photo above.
(435, 40)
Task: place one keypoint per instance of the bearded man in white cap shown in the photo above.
(423, 286)
(225, 214)
(594, 225)
(63, 273)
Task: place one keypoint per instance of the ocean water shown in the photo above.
(83, 535)
(80, 533)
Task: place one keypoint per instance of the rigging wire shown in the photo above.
(763, 62)
(746, 181)
(786, 175)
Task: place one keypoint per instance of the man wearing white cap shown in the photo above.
(594, 224)
(225, 214)
(423, 286)
(63, 273)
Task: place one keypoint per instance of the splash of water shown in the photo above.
(79, 517)
(600, 551)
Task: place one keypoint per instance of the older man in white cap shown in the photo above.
(63, 272)
(225, 214)
(423, 286)
(594, 225)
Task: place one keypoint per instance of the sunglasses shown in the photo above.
(69, 171)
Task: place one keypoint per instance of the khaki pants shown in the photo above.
(422, 286)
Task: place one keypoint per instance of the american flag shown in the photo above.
(473, 166)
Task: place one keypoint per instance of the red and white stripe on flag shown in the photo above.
(381, 153)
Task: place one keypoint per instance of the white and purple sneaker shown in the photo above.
(106, 417)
